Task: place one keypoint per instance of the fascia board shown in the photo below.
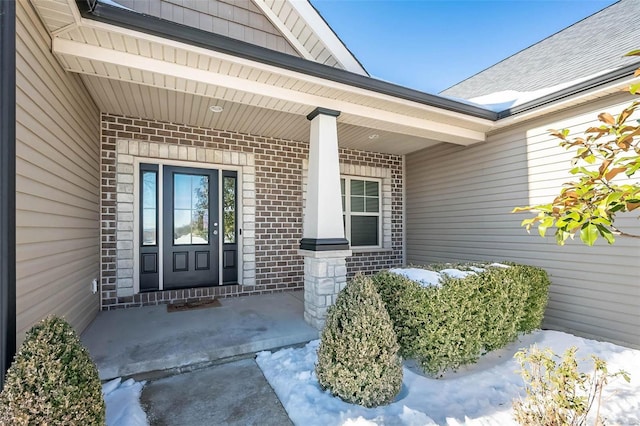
(447, 132)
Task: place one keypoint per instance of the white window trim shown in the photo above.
(382, 173)
(348, 213)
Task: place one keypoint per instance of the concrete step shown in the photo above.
(150, 340)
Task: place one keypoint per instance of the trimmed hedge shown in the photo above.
(52, 381)
(451, 325)
(358, 354)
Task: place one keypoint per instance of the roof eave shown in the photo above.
(571, 91)
(189, 35)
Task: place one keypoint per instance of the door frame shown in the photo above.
(136, 217)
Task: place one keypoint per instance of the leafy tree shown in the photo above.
(589, 204)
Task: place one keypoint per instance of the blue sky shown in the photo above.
(430, 45)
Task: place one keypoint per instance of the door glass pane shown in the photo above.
(364, 231)
(229, 209)
(149, 208)
(190, 209)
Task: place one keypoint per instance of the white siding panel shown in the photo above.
(459, 201)
(57, 184)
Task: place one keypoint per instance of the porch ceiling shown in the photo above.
(137, 100)
(134, 73)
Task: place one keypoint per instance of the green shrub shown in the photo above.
(358, 357)
(557, 392)
(449, 326)
(52, 380)
(538, 297)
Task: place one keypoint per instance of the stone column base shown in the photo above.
(325, 274)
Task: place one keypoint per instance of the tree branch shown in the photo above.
(623, 234)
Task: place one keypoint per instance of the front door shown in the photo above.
(190, 227)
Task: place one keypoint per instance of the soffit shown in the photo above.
(263, 93)
(56, 14)
(137, 100)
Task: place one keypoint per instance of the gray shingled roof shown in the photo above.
(590, 46)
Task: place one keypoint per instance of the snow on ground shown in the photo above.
(123, 403)
(480, 394)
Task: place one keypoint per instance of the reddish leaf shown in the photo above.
(604, 166)
(614, 172)
(605, 117)
(632, 206)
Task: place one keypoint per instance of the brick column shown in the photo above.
(323, 244)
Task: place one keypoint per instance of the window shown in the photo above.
(361, 211)
(149, 207)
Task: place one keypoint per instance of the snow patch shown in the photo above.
(456, 273)
(481, 395)
(123, 403)
(422, 276)
(501, 101)
(114, 4)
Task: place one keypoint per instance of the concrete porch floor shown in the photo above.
(140, 341)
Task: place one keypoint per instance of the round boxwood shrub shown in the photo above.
(358, 357)
(52, 380)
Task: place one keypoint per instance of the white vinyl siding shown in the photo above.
(57, 184)
(458, 208)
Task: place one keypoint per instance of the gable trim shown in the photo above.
(293, 40)
(340, 51)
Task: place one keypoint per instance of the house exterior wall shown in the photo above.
(57, 184)
(238, 19)
(458, 208)
(273, 173)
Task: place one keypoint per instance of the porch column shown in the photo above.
(323, 244)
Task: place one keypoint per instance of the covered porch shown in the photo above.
(293, 137)
(152, 342)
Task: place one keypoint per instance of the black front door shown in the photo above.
(190, 227)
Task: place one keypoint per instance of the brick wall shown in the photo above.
(277, 166)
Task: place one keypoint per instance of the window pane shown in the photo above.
(149, 208)
(181, 226)
(357, 187)
(371, 188)
(229, 209)
(181, 191)
(200, 192)
(364, 231)
(342, 186)
(357, 204)
(199, 227)
(149, 190)
(373, 205)
(190, 209)
(149, 227)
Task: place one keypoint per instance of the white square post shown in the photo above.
(323, 243)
